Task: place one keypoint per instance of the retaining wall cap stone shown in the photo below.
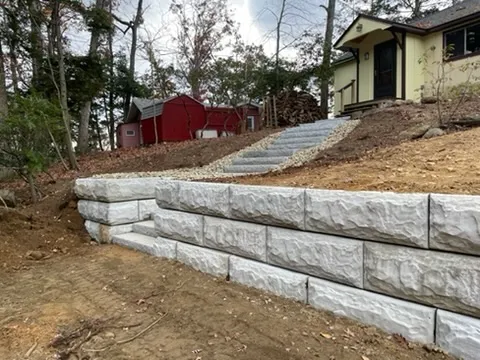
(109, 213)
(454, 223)
(376, 216)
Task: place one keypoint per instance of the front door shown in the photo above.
(385, 55)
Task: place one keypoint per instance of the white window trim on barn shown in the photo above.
(251, 122)
(130, 133)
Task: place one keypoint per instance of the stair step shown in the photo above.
(146, 228)
(136, 241)
(268, 153)
(303, 134)
(293, 146)
(260, 160)
(246, 169)
(300, 140)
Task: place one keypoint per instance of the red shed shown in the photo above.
(178, 118)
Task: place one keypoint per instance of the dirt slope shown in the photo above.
(447, 164)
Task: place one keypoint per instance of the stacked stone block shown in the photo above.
(407, 263)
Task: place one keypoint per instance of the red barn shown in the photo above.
(179, 118)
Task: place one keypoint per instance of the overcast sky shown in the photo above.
(256, 20)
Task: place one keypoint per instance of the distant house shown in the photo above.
(381, 59)
(182, 117)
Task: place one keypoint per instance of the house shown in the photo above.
(182, 117)
(384, 59)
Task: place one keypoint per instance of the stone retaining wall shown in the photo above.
(407, 263)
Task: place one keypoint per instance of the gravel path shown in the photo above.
(215, 169)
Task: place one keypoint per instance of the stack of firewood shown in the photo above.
(290, 108)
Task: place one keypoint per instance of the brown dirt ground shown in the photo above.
(110, 294)
(446, 164)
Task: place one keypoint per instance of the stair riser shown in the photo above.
(300, 141)
(243, 169)
(303, 134)
(260, 161)
(268, 153)
(293, 146)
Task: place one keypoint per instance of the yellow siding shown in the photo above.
(414, 73)
(344, 73)
(367, 27)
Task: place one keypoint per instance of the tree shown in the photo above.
(326, 71)
(203, 29)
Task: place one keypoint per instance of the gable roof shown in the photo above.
(461, 12)
(452, 13)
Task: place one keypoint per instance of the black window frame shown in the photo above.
(465, 54)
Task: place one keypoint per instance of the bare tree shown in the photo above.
(3, 89)
(203, 28)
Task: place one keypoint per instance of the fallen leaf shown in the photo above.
(365, 357)
(326, 336)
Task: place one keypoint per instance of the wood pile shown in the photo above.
(291, 108)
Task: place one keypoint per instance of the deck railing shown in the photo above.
(342, 91)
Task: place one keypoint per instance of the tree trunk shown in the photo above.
(111, 101)
(36, 39)
(63, 84)
(277, 49)
(133, 51)
(327, 54)
(87, 106)
(3, 89)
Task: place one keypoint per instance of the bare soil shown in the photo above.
(106, 302)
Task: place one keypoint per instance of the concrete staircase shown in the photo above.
(288, 143)
(142, 237)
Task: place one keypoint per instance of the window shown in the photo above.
(130, 133)
(463, 41)
(251, 122)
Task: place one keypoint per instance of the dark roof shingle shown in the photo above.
(451, 13)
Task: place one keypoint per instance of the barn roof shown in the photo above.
(148, 108)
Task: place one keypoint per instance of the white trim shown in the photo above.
(130, 133)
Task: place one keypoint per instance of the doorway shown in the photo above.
(385, 65)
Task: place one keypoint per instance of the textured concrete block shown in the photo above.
(458, 334)
(114, 190)
(165, 248)
(236, 237)
(145, 228)
(448, 281)
(205, 260)
(202, 198)
(454, 223)
(135, 241)
(104, 233)
(178, 225)
(325, 256)
(385, 217)
(269, 278)
(109, 213)
(415, 322)
(146, 208)
(268, 205)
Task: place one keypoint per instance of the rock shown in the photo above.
(414, 132)
(329, 257)
(429, 100)
(177, 225)
(444, 280)
(36, 255)
(8, 197)
(433, 132)
(269, 278)
(356, 115)
(386, 104)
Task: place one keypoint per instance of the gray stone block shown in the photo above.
(146, 208)
(145, 228)
(178, 225)
(454, 223)
(114, 190)
(260, 160)
(325, 256)
(134, 241)
(448, 281)
(104, 233)
(236, 237)
(205, 260)
(458, 334)
(269, 278)
(385, 217)
(268, 205)
(247, 169)
(203, 198)
(415, 322)
(109, 213)
(165, 248)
